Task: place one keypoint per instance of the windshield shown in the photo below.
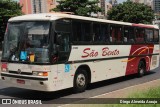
(27, 42)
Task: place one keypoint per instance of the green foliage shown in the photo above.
(78, 7)
(131, 12)
(8, 9)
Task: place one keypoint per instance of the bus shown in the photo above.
(53, 51)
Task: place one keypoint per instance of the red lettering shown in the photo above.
(104, 51)
(89, 54)
(107, 52)
(86, 53)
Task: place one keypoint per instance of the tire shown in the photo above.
(80, 81)
(141, 69)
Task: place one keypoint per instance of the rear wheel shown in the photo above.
(80, 80)
(141, 69)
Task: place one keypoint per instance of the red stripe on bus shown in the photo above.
(140, 25)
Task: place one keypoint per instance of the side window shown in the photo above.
(128, 35)
(62, 38)
(64, 46)
(81, 31)
(100, 32)
(96, 32)
(63, 25)
(76, 28)
(86, 31)
(115, 33)
(149, 35)
(104, 33)
(156, 36)
(140, 35)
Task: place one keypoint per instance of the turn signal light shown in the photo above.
(38, 73)
(43, 74)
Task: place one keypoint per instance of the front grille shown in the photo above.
(22, 73)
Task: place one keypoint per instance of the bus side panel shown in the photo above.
(63, 75)
(106, 62)
(136, 50)
(102, 70)
(155, 59)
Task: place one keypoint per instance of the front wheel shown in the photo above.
(80, 81)
(141, 69)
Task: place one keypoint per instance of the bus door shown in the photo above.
(62, 41)
(63, 55)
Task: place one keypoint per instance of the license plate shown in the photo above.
(20, 81)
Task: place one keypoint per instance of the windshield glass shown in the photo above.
(27, 42)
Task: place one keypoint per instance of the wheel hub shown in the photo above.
(81, 80)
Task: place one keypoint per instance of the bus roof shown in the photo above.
(55, 16)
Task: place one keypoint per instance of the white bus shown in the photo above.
(50, 52)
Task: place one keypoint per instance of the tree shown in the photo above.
(131, 12)
(8, 9)
(78, 7)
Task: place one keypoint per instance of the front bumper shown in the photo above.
(31, 82)
(24, 77)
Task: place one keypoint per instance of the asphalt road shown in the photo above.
(67, 96)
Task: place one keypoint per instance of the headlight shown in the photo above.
(39, 73)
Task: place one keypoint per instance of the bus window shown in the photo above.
(140, 35)
(104, 33)
(96, 32)
(116, 34)
(149, 35)
(100, 33)
(63, 31)
(86, 31)
(81, 31)
(63, 25)
(76, 28)
(156, 36)
(128, 35)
